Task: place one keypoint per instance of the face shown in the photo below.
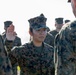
(39, 35)
(73, 4)
(10, 28)
(58, 26)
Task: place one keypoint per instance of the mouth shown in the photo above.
(41, 37)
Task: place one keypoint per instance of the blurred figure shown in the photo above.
(10, 39)
(48, 29)
(49, 39)
(5, 65)
(58, 24)
(35, 57)
(65, 47)
(66, 21)
(51, 34)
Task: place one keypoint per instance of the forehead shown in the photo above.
(73, 1)
(58, 24)
(40, 29)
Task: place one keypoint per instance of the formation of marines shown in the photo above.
(45, 54)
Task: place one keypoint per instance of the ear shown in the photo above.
(5, 28)
(31, 33)
(55, 25)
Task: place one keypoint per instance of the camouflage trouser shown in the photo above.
(15, 69)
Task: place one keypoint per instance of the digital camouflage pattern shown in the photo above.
(33, 62)
(49, 39)
(54, 33)
(16, 42)
(65, 50)
(5, 65)
(38, 22)
(9, 45)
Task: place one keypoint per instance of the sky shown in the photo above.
(19, 11)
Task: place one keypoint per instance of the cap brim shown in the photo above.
(40, 28)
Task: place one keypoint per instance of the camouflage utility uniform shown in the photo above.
(5, 65)
(33, 61)
(58, 25)
(16, 42)
(49, 39)
(54, 32)
(65, 50)
(9, 45)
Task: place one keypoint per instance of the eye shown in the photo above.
(42, 30)
(45, 29)
(38, 30)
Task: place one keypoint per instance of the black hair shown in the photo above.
(31, 29)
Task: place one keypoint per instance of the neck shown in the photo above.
(57, 30)
(38, 44)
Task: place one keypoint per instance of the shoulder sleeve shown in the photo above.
(14, 55)
(18, 40)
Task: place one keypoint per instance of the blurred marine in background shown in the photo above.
(10, 39)
(5, 64)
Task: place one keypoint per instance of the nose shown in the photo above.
(43, 32)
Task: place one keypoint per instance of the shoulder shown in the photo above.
(52, 31)
(0, 36)
(24, 46)
(48, 47)
(18, 38)
(16, 48)
(50, 35)
(1, 39)
(68, 32)
(69, 27)
(3, 34)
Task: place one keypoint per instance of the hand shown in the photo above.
(10, 34)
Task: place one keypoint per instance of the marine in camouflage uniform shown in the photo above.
(67, 20)
(54, 32)
(5, 65)
(65, 47)
(34, 59)
(58, 25)
(65, 50)
(49, 38)
(9, 44)
(51, 34)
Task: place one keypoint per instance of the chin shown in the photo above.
(41, 40)
(74, 12)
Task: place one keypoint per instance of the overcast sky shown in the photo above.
(19, 11)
